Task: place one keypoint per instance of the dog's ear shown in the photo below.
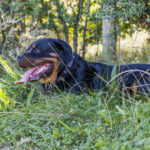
(59, 44)
(64, 47)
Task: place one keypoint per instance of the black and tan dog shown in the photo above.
(52, 62)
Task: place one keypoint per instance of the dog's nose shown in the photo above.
(20, 56)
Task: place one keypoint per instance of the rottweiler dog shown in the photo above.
(53, 63)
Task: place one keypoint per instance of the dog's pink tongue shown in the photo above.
(26, 76)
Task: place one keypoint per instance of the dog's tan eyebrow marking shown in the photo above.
(53, 54)
(34, 46)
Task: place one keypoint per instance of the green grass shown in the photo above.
(30, 119)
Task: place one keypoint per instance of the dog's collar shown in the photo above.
(69, 65)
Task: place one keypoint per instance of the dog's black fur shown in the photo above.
(77, 74)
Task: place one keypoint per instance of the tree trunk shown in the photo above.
(76, 25)
(3, 38)
(65, 31)
(84, 31)
(1, 33)
(109, 40)
(109, 34)
(51, 23)
(62, 19)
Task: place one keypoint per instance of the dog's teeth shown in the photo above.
(41, 69)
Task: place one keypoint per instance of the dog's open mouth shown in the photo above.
(35, 73)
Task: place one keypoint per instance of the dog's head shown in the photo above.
(44, 58)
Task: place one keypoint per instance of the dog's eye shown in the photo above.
(35, 51)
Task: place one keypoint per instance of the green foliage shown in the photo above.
(60, 17)
(130, 15)
(102, 120)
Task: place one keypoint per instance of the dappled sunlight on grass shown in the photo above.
(5, 101)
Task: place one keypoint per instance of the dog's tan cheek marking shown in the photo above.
(53, 75)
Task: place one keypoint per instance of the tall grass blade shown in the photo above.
(66, 126)
(7, 67)
(29, 97)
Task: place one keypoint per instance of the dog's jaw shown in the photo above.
(52, 77)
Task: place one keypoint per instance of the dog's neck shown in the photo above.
(67, 68)
(71, 62)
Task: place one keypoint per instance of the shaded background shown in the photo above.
(96, 29)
